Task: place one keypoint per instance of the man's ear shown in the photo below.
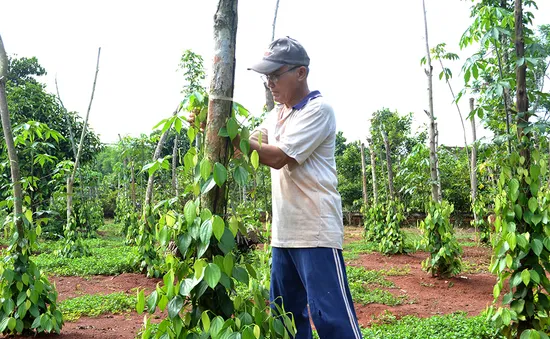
(302, 73)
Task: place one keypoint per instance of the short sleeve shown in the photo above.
(308, 130)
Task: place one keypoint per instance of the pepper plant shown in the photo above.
(444, 260)
(199, 290)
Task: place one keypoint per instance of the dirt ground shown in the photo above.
(426, 296)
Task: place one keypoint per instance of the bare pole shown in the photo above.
(434, 171)
(473, 163)
(364, 174)
(373, 171)
(70, 180)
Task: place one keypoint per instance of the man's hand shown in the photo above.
(192, 117)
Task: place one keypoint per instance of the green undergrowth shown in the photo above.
(369, 287)
(97, 304)
(456, 326)
(107, 258)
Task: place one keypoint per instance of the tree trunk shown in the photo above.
(388, 164)
(174, 167)
(364, 174)
(221, 95)
(373, 171)
(522, 100)
(506, 92)
(10, 144)
(473, 162)
(70, 180)
(434, 171)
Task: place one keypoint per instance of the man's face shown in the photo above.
(283, 83)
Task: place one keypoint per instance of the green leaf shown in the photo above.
(537, 246)
(511, 240)
(191, 133)
(240, 274)
(241, 176)
(513, 186)
(534, 276)
(184, 240)
(174, 306)
(8, 306)
(227, 242)
(206, 168)
(208, 185)
(190, 211)
(223, 132)
(205, 321)
(506, 317)
(187, 286)
(212, 275)
(206, 231)
(526, 277)
(232, 128)
(244, 145)
(9, 275)
(535, 172)
(509, 260)
(255, 159)
(546, 243)
(140, 305)
(220, 174)
(529, 334)
(228, 263)
(11, 323)
(234, 225)
(533, 204)
(164, 236)
(218, 227)
(152, 301)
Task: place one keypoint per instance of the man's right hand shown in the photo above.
(191, 120)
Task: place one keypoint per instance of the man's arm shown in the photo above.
(269, 155)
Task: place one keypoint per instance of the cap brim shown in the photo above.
(266, 67)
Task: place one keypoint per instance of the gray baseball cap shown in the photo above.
(283, 51)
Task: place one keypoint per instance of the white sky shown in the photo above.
(365, 55)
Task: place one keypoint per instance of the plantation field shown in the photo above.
(393, 297)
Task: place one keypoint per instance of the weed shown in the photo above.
(94, 305)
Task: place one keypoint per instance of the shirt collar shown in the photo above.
(312, 95)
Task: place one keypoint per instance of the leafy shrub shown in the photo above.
(439, 240)
(382, 226)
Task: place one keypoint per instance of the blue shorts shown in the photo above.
(314, 277)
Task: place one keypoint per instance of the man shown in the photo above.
(298, 142)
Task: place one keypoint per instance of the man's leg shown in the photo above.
(286, 283)
(324, 275)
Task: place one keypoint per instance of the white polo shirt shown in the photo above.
(307, 208)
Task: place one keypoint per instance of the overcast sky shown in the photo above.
(365, 55)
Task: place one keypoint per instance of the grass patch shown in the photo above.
(396, 271)
(105, 260)
(456, 325)
(365, 287)
(353, 249)
(94, 305)
(471, 267)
